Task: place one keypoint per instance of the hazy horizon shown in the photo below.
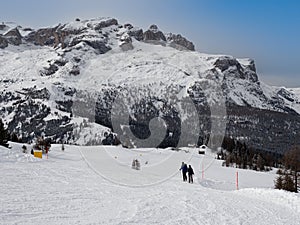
(265, 31)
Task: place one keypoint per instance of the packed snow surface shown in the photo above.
(68, 188)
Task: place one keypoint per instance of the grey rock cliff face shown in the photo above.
(106, 23)
(65, 36)
(177, 41)
(3, 42)
(136, 33)
(69, 37)
(50, 36)
(45, 36)
(153, 34)
(226, 64)
(14, 37)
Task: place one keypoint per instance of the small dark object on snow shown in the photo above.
(136, 164)
(24, 149)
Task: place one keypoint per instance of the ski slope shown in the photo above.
(68, 188)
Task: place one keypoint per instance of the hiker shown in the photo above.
(184, 171)
(190, 173)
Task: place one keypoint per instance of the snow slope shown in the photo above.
(64, 189)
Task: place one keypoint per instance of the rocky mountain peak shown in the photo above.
(153, 28)
(179, 42)
(70, 64)
(97, 33)
(243, 69)
(13, 37)
(154, 34)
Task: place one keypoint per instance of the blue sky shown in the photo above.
(265, 30)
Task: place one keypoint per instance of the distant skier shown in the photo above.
(184, 170)
(190, 173)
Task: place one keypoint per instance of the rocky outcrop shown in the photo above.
(14, 37)
(179, 42)
(49, 36)
(70, 37)
(98, 45)
(153, 35)
(71, 34)
(45, 36)
(231, 66)
(136, 33)
(3, 42)
(251, 66)
(125, 42)
(286, 94)
(106, 23)
(224, 63)
(128, 26)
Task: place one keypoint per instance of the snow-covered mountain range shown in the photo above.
(62, 81)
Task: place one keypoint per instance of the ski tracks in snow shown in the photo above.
(65, 190)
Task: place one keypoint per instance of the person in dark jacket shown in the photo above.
(184, 170)
(190, 173)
